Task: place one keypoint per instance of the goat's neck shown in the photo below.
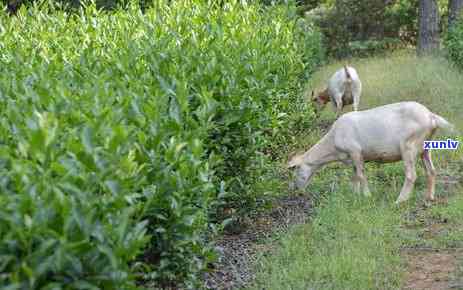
(322, 153)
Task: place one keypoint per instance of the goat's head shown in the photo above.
(303, 172)
(320, 99)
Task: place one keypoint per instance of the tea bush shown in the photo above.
(123, 134)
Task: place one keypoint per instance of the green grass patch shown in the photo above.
(451, 212)
(351, 244)
(437, 227)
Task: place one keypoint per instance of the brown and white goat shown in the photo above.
(387, 133)
(344, 88)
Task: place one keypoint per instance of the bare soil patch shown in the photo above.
(240, 250)
(432, 269)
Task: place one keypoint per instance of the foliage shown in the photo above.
(373, 47)
(454, 43)
(402, 20)
(122, 133)
(69, 5)
(360, 28)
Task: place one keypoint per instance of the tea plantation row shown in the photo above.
(124, 135)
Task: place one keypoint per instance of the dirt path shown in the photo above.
(240, 250)
(432, 269)
(432, 264)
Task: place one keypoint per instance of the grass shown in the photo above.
(347, 246)
(353, 242)
(438, 227)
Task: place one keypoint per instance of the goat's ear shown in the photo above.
(313, 97)
(295, 160)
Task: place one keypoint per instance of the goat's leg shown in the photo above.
(409, 158)
(356, 91)
(338, 104)
(356, 102)
(430, 174)
(338, 109)
(359, 178)
(355, 181)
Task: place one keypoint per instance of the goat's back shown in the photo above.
(341, 85)
(379, 132)
(340, 75)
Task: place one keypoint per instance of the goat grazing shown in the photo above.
(387, 133)
(344, 88)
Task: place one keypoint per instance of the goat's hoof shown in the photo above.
(400, 201)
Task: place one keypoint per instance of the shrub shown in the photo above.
(373, 47)
(363, 28)
(454, 43)
(123, 133)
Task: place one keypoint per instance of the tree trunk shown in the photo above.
(454, 11)
(13, 6)
(428, 34)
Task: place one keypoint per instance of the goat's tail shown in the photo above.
(349, 78)
(295, 161)
(441, 123)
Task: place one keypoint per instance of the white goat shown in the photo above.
(344, 88)
(388, 133)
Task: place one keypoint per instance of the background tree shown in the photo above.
(428, 34)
